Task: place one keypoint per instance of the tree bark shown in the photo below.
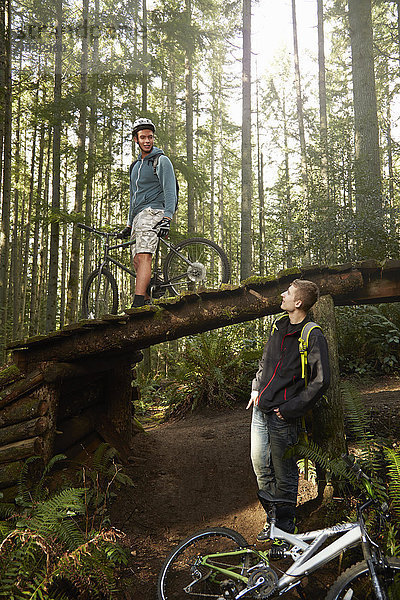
(245, 237)
(20, 450)
(73, 282)
(370, 235)
(51, 312)
(5, 142)
(299, 104)
(189, 53)
(261, 208)
(328, 423)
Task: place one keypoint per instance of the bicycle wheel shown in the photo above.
(100, 295)
(355, 583)
(182, 575)
(194, 265)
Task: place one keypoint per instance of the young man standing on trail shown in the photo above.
(280, 397)
(153, 199)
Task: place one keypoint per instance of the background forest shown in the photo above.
(307, 174)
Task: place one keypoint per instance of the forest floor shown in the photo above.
(196, 472)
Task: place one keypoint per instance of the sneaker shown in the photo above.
(264, 536)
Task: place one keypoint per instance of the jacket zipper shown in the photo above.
(137, 180)
(276, 368)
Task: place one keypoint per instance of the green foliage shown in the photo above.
(377, 336)
(393, 457)
(211, 369)
(52, 545)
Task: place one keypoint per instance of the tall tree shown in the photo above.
(73, 282)
(323, 119)
(370, 236)
(299, 103)
(52, 292)
(189, 56)
(5, 142)
(245, 238)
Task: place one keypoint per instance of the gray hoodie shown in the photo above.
(150, 190)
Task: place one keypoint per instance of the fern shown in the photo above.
(45, 554)
(393, 457)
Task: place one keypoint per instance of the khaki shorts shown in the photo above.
(146, 238)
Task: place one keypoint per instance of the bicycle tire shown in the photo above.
(100, 295)
(209, 270)
(356, 583)
(177, 570)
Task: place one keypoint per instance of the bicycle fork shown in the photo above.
(372, 560)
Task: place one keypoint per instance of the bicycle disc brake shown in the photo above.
(196, 272)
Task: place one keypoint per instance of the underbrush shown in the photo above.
(213, 369)
(368, 339)
(58, 544)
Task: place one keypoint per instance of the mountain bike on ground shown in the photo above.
(218, 563)
(192, 265)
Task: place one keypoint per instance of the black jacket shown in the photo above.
(278, 379)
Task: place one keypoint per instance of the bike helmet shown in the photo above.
(142, 123)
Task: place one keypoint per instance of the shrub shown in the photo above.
(57, 545)
(369, 341)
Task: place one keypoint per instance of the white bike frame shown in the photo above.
(305, 551)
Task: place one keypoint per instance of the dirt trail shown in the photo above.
(196, 472)
(188, 474)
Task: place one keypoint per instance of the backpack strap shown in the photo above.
(303, 347)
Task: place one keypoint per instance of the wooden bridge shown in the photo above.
(65, 390)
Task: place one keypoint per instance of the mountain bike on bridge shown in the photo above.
(192, 265)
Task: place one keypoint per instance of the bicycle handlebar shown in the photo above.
(98, 231)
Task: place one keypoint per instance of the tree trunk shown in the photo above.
(51, 313)
(370, 235)
(287, 237)
(299, 103)
(245, 238)
(328, 424)
(73, 282)
(91, 159)
(34, 303)
(189, 53)
(145, 65)
(324, 213)
(6, 117)
(260, 177)
(16, 258)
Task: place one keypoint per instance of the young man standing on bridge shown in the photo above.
(153, 199)
(281, 397)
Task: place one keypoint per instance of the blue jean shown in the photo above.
(270, 438)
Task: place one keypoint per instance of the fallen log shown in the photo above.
(23, 409)
(32, 381)
(189, 314)
(19, 450)
(24, 430)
